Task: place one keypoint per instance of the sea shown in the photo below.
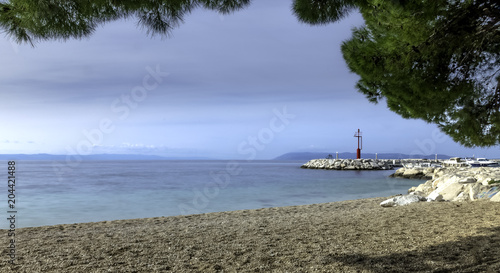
(92, 191)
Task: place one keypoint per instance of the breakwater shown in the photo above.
(366, 164)
(350, 164)
(449, 184)
(461, 184)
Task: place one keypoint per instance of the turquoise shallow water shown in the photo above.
(109, 190)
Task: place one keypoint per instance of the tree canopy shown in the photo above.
(438, 60)
(29, 21)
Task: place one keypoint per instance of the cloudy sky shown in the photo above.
(253, 84)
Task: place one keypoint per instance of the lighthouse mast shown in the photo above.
(360, 141)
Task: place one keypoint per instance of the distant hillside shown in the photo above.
(90, 157)
(308, 156)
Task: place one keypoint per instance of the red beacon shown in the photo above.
(360, 141)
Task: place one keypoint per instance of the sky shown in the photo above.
(254, 84)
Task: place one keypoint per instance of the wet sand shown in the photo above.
(349, 236)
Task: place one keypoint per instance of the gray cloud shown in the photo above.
(227, 74)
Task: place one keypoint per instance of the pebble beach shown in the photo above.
(347, 236)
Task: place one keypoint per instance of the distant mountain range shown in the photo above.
(303, 156)
(308, 156)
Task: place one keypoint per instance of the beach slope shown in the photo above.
(348, 236)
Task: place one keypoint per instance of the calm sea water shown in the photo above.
(110, 190)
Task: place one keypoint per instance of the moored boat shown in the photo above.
(455, 162)
(483, 162)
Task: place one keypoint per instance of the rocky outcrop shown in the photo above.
(461, 184)
(495, 198)
(348, 164)
(449, 184)
(414, 173)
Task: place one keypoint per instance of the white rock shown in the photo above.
(402, 200)
(474, 190)
(419, 193)
(485, 177)
(437, 182)
(496, 197)
(399, 172)
(434, 196)
(426, 187)
(412, 190)
(467, 180)
(461, 197)
(450, 191)
(429, 171)
(412, 172)
(389, 203)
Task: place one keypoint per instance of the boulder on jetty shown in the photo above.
(458, 184)
(414, 173)
(348, 164)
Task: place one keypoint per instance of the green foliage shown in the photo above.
(323, 11)
(29, 21)
(433, 60)
(493, 181)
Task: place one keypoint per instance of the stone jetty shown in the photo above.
(349, 164)
(452, 184)
(461, 184)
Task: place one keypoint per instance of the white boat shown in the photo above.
(483, 162)
(421, 165)
(472, 161)
(455, 162)
(430, 165)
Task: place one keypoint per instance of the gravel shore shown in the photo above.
(349, 236)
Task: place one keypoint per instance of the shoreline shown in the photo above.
(354, 235)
